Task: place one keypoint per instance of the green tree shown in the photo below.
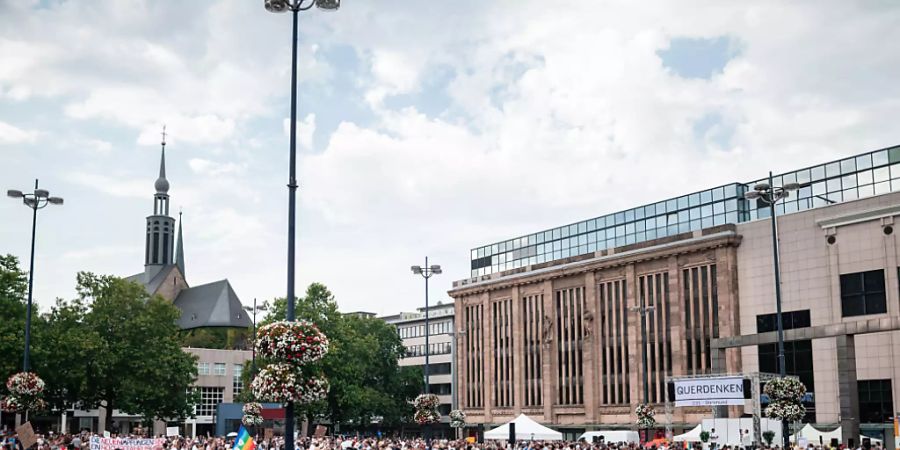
(13, 290)
(62, 344)
(361, 365)
(218, 338)
(136, 364)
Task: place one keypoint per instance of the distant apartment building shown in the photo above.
(411, 328)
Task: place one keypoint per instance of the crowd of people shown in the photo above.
(81, 441)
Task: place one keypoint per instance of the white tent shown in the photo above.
(526, 430)
(690, 436)
(811, 434)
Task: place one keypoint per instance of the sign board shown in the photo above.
(320, 431)
(171, 431)
(98, 443)
(26, 435)
(107, 434)
(268, 433)
(712, 391)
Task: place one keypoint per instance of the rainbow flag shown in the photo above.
(244, 441)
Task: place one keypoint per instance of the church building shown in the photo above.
(208, 305)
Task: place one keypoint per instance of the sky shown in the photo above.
(426, 128)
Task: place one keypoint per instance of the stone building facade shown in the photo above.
(563, 343)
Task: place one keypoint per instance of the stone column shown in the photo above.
(589, 346)
(548, 353)
(848, 395)
(518, 348)
(488, 352)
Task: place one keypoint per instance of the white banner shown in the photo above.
(716, 391)
(98, 443)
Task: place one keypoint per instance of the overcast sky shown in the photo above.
(427, 127)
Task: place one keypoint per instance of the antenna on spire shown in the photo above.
(164, 135)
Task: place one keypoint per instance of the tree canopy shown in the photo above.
(13, 290)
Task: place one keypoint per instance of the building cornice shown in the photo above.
(725, 236)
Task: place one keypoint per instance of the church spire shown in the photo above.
(179, 248)
(160, 227)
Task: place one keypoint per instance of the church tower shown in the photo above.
(160, 227)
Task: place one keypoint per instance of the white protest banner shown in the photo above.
(715, 391)
(171, 431)
(99, 443)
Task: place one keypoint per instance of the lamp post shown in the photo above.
(36, 200)
(769, 194)
(295, 6)
(263, 307)
(426, 272)
(642, 310)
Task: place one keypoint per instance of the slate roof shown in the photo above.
(152, 285)
(211, 305)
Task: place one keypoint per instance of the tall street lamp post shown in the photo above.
(642, 310)
(770, 195)
(426, 272)
(36, 200)
(295, 6)
(255, 309)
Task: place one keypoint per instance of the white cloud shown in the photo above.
(549, 116)
(11, 134)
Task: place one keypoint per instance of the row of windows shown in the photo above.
(865, 175)
(218, 369)
(419, 330)
(210, 397)
(442, 348)
(236, 380)
(789, 321)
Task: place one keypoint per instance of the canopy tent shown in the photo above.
(526, 430)
(690, 436)
(812, 434)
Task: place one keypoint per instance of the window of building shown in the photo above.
(237, 381)
(203, 368)
(219, 369)
(789, 321)
(210, 397)
(862, 293)
(875, 401)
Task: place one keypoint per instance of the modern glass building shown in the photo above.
(865, 175)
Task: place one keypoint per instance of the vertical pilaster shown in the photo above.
(548, 353)
(488, 330)
(589, 346)
(848, 396)
(517, 325)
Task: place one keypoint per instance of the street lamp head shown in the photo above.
(791, 187)
(328, 5)
(751, 195)
(435, 269)
(761, 186)
(55, 200)
(41, 193)
(416, 270)
(276, 6)
(12, 193)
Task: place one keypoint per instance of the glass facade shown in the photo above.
(872, 173)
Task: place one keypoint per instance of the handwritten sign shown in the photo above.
(26, 435)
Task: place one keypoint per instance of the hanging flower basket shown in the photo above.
(252, 409)
(11, 404)
(457, 418)
(297, 343)
(25, 384)
(644, 413)
(250, 420)
(785, 410)
(282, 383)
(427, 416)
(788, 389)
(427, 401)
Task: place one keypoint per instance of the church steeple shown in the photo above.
(160, 227)
(179, 248)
